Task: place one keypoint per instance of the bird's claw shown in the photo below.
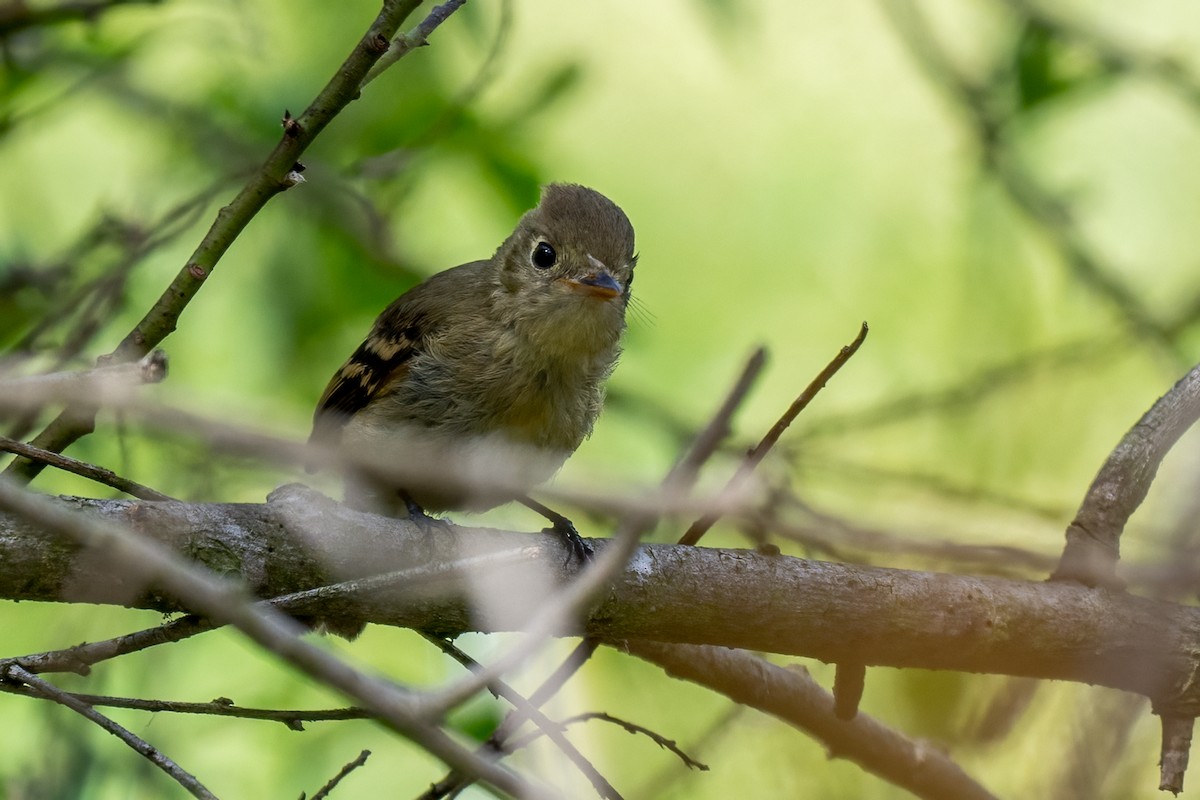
(418, 517)
(578, 549)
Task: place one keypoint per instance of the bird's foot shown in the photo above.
(577, 549)
(563, 528)
(418, 517)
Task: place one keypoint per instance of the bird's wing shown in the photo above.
(377, 363)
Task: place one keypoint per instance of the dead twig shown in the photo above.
(755, 456)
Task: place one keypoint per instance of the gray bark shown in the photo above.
(299, 540)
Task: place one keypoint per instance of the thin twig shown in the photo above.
(547, 727)
(151, 753)
(755, 456)
(342, 773)
(667, 744)
(293, 719)
(80, 658)
(405, 43)
(98, 474)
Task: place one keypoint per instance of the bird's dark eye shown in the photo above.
(544, 256)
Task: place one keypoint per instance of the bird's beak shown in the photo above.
(599, 284)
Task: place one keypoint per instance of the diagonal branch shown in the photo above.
(1094, 536)
(760, 450)
(797, 699)
(990, 124)
(141, 746)
(275, 175)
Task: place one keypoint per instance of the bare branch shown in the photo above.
(270, 179)
(797, 699)
(342, 773)
(1094, 536)
(755, 456)
(405, 43)
(733, 598)
(80, 658)
(151, 753)
(666, 744)
(98, 474)
(139, 558)
(1176, 745)
(221, 707)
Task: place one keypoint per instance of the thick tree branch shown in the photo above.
(668, 593)
(144, 567)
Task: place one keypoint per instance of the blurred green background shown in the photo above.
(791, 171)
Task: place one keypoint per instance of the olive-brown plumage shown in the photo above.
(494, 368)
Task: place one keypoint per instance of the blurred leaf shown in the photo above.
(1047, 67)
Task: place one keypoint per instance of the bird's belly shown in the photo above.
(445, 470)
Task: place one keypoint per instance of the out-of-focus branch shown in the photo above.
(46, 690)
(794, 697)
(274, 176)
(17, 15)
(33, 389)
(1170, 72)
(990, 121)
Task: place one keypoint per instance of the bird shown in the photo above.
(483, 379)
